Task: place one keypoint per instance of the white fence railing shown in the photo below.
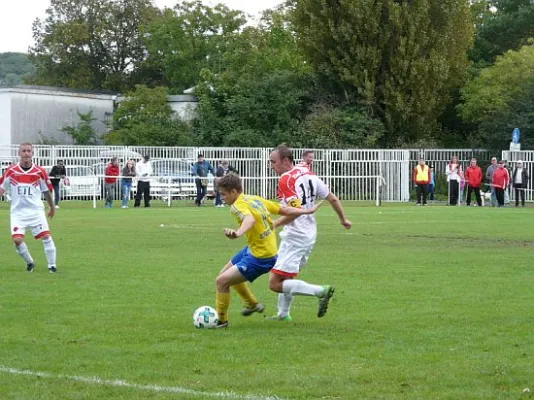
(353, 174)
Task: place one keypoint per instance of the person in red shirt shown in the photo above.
(110, 181)
(500, 181)
(473, 176)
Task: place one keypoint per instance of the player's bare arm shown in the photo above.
(289, 211)
(287, 219)
(50, 201)
(246, 225)
(338, 208)
(284, 220)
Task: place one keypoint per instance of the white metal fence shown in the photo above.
(362, 175)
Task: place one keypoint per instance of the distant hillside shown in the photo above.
(13, 68)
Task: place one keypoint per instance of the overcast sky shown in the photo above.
(16, 17)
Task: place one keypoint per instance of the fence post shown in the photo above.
(378, 183)
(95, 184)
(169, 191)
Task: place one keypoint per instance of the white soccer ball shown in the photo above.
(205, 317)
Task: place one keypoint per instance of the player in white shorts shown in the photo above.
(26, 183)
(298, 187)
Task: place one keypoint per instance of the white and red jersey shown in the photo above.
(299, 187)
(26, 188)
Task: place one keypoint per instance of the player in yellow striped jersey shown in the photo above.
(253, 213)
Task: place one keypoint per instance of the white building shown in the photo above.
(37, 113)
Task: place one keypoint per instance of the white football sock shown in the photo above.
(296, 287)
(23, 251)
(50, 251)
(284, 304)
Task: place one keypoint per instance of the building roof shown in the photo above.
(30, 89)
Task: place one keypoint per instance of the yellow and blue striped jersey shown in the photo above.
(261, 239)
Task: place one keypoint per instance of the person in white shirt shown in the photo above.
(520, 181)
(454, 174)
(144, 172)
(298, 187)
(27, 183)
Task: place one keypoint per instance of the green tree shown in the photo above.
(90, 44)
(83, 133)
(399, 60)
(188, 38)
(501, 98)
(261, 92)
(501, 25)
(144, 118)
(331, 126)
(14, 67)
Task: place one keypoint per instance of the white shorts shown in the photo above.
(36, 222)
(293, 254)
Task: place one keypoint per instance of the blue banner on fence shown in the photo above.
(515, 135)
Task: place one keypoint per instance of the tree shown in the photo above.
(144, 118)
(501, 98)
(83, 133)
(14, 67)
(331, 126)
(188, 38)
(400, 60)
(501, 25)
(261, 92)
(90, 44)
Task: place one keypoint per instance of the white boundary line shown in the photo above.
(121, 383)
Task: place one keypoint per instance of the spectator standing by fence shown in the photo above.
(200, 170)
(520, 182)
(473, 176)
(500, 181)
(110, 181)
(421, 179)
(57, 173)
(507, 190)
(222, 170)
(128, 173)
(143, 171)
(432, 184)
(453, 172)
(489, 179)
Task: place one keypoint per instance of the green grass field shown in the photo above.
(431, 303)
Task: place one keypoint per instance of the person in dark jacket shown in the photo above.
(222, 170)
(200, 170)
(57, 173)
(520, 182)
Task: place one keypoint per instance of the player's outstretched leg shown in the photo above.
(50, 252)
(22, 250)
(295, 287)
(249, 299)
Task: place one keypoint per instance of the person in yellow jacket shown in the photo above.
(421, 179)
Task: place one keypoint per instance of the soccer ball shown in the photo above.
(205, 317)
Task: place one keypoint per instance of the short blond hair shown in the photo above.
(231, 181)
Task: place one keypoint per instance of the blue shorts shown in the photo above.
(252, 267)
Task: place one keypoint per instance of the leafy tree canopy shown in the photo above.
(501, 98)
(14, 67)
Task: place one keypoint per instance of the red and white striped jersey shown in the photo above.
(300, 188)
(26, 188)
